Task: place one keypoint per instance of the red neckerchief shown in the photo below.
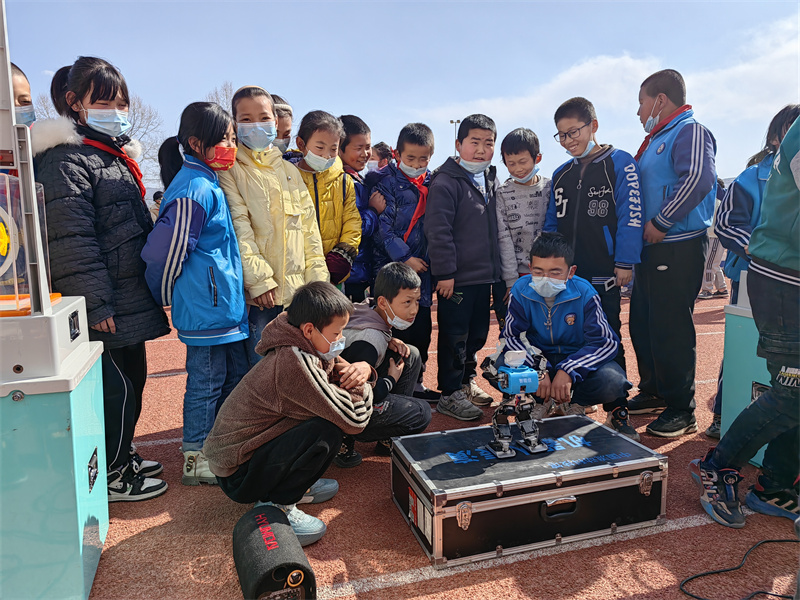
(132, 165)
(353, 173)
(423, 200)
(659, 127)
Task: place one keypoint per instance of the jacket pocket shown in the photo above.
(213, 283)
(609, 241)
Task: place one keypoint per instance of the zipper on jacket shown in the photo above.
(213, 284)
(316, 200)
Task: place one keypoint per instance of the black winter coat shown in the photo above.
(97, 227)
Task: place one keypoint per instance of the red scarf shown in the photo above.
(423, 200)
(132, 165)
(659, 127)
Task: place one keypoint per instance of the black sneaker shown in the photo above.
(423, 393)
(348, 456)
(383, 448)
(646, 404)
(146, 468)
(719, 493)
(776, 503)
(132, 487)
(673, 423)
(618, 421)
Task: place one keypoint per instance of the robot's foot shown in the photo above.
(500, 451)
(535, 448)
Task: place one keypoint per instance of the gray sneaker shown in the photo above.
(458, 406)
(541, 410)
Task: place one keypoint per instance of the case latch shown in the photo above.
(464, 514)
(498, 488)
(646, 482)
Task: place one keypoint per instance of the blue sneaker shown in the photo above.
(308, 529)
(776, 503)
(719, 492)
(322, 490)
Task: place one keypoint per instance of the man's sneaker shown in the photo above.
(147, 468)
(476, 395)
(321, 491)
(705, 295)
(132, 487)
(644, 404)
(776, 503)
(618, 420)
(713, 430)
(566, 408)
(721, 293)
(719, 494)
(196, 469)
(383, 448)
(423, 393)
(308, 529)
(673, 423)
(458, 406)
(348, 456)
(541, 410)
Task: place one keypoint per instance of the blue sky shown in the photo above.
(396, 62)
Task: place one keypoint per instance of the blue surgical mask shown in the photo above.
(547, 287)
(282, 144)
(475, 167)
(411, 172)
(589, 147)
(527, 177)
(334, 348)
(25, 115)
(318, 163)
(372, 165)
(109, 121)
(399, 323)
(256, 136)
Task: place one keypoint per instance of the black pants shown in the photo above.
(463, 329)
(357, 292)
(124, 376)
(284, 468)
(419, 334)
(665, 287)
(610, 301)
(499, 305)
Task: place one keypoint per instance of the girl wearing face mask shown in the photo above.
(193, 264)
(273, 215)
(333, 193)
(284, 115)
(97, 226)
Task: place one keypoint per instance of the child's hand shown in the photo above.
(561, 386)
(400, 347)
(106, 326)
(266, 300)
(377, 202)
(354, 375)
(445, 288)
(623, 276)
(396, 368)
(652, 234)
(543, 391)
(419, 265)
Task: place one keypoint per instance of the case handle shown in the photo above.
(558, 509)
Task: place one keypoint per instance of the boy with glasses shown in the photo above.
(596, 203)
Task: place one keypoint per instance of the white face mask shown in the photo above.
(397, 322)
(651, 120)
(372, 165)
(589, 147)
(475, 167)
(318, 163)
(411, 172)
(547, 287)
(527, 177)
(334, 348)
(282, 144)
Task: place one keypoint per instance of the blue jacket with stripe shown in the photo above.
(575, 325)
(193, 260)
(679, 179)
(739, 213)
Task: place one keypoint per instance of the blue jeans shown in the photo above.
(212, 373)
(773, 418)
(258, 318)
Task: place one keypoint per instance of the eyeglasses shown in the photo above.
(571, 134)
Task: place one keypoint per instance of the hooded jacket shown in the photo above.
(263, 407)
(97, 225)
(461, 226)
(275, 223)
(334, 197)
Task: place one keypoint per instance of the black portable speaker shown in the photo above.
(269, 559)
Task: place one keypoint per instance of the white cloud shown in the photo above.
(48, 73)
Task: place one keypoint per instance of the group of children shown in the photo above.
(285, 370)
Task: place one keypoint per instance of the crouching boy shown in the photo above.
(370, 340)
(282, 425)
(562, 316)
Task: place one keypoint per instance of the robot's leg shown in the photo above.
(501, 445)
(529, 429)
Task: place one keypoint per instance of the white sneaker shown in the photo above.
(196, 469)
(129, 486)
(476, 395)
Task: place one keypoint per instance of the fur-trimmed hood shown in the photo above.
(49, 133)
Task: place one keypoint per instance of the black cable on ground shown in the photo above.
(741, 564)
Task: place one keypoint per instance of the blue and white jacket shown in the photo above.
(679, 179)
(193, 260)
(739, 213)
(575, 325)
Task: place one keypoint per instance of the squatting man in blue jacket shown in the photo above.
(562, 315)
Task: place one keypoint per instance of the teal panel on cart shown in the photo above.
(53, 507)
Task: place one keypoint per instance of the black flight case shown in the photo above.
(464, 504)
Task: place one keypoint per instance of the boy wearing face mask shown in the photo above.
(461, 227)
(679, 185)
(562, 316)
(271, 442)
(596, 203)
(371, 339)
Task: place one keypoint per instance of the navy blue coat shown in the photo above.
(362, 270)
